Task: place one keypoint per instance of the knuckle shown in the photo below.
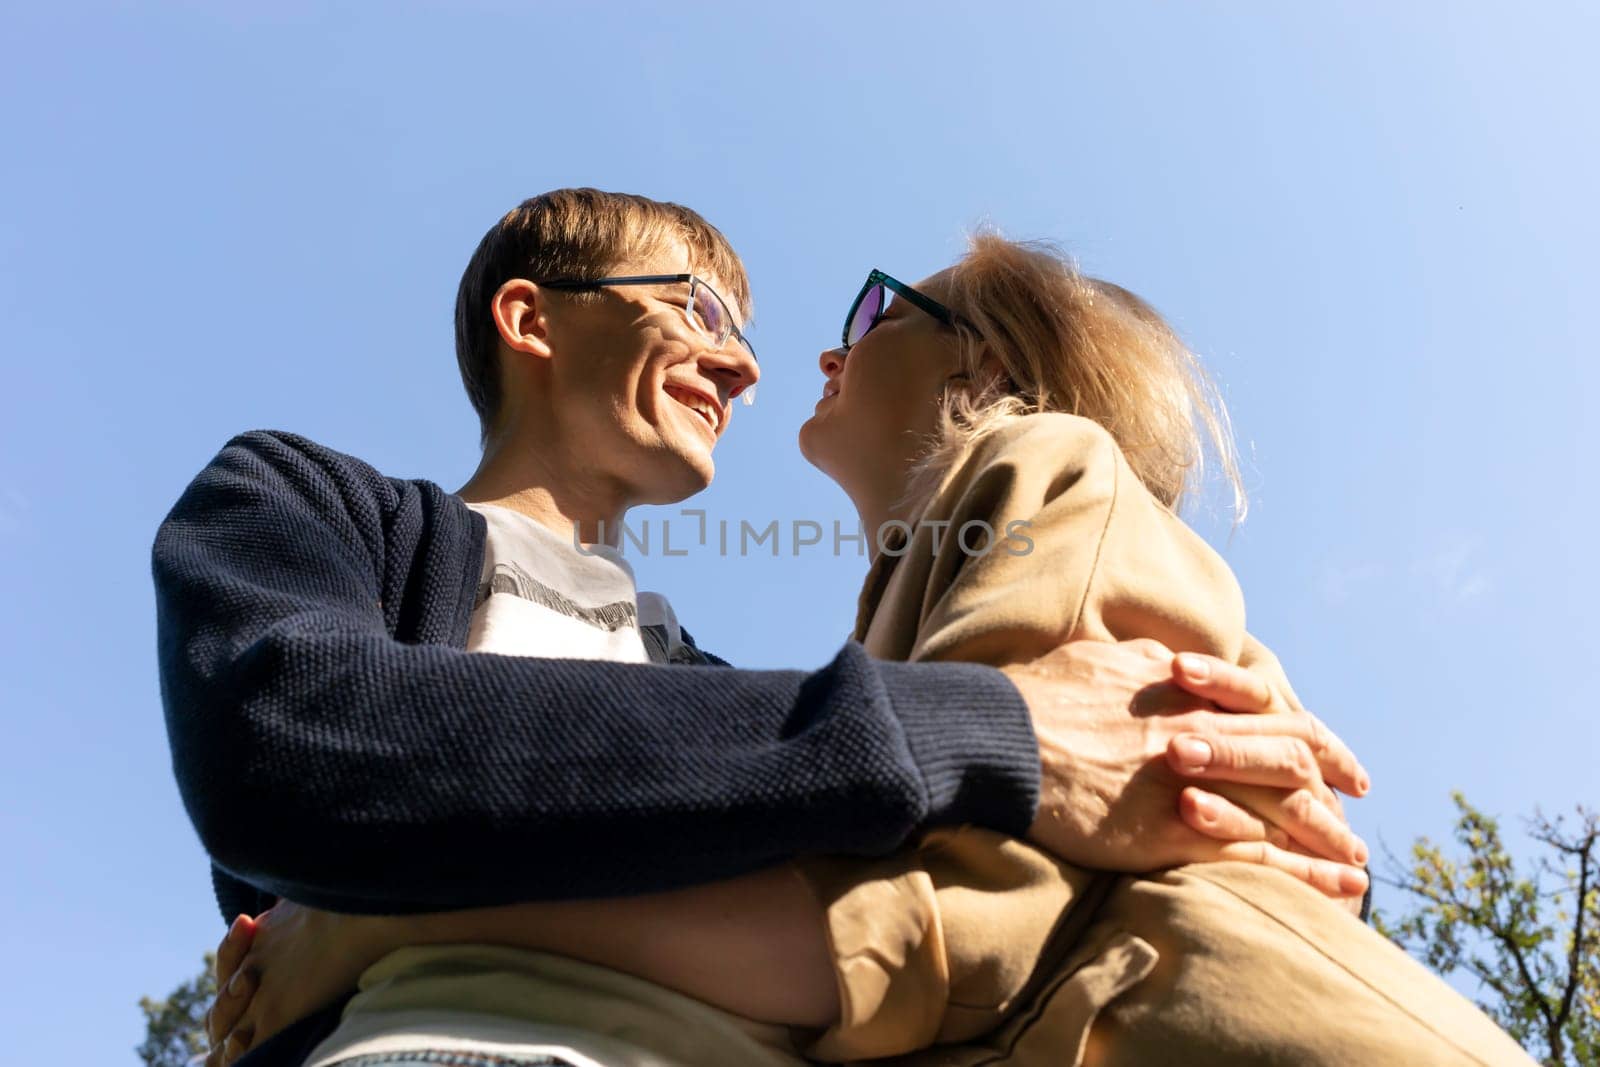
(1300, 805)
(1320, 737)
(1149, 648)
(1230, 751)
(1299, 760)
(1331, 801)
(1259, 688)
(237, 1045)
(1325, 874)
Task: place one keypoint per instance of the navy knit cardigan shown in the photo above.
(335, 744)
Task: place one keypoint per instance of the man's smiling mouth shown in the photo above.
(698, 403)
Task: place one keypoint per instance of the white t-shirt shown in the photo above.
(542, 595)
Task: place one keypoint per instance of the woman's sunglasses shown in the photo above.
(873, 299)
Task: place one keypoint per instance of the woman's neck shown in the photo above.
(877, 509)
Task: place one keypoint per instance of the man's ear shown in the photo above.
(518, 309)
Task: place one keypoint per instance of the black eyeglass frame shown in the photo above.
(919, 299)
(694, 280)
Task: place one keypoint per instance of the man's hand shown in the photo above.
(754, 945)
(234, 989)
(1125, 728)
(314, 957)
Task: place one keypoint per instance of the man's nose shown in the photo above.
(831, 361)
(733, 368)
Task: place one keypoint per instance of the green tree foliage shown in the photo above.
(1531, 938)
(175, 1028)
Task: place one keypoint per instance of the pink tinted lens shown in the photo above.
(867, 313)
(709, 309)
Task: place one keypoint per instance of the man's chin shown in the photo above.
(678, 480)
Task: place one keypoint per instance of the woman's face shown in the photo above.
(879, 405)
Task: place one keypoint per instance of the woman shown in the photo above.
(1016, 438)
(1066, 421)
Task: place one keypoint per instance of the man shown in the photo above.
(342, 741)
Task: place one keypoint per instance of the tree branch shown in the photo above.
(1575, 957)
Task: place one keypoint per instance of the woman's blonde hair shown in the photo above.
(1039, 335)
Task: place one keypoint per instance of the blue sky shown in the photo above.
(1375, 223)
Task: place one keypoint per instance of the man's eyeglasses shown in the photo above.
(705, 309)
(873, 300)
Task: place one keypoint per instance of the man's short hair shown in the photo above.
(573, 233)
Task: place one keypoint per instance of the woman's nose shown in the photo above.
(832, 362)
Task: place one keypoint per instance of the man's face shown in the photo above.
(640, 394)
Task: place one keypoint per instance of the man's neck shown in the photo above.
(527, 478)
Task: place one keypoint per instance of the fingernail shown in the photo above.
(1363, 783)
(236, 931)
(1196, 667)
(239, 980)
(1361, 852)
(1193, 753)
(1352, 883)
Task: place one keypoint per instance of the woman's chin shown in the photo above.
(802, 436)
(812, 439)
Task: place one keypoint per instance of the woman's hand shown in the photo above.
(288, 962)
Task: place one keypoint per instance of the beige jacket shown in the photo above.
(991, 951)
(1080, 549)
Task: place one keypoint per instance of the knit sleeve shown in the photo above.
(323, 760)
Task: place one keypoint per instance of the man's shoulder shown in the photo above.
(284, 448)
(277, 469)
(304, 461)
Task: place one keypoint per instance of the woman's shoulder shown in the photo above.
(1049, 438)
(1025, 462)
